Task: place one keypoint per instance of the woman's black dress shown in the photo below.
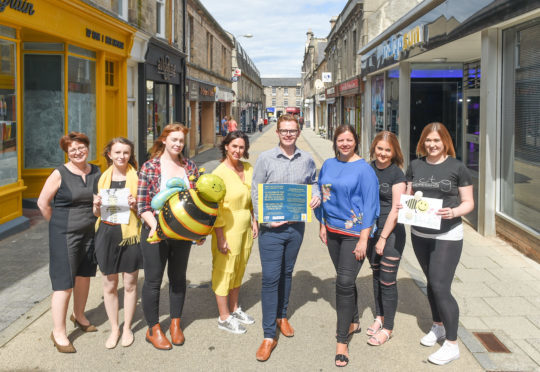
(71, 229)
(111, 257)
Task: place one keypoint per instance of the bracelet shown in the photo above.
(382, 237)
(453, 214)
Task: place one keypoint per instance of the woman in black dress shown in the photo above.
(117, 245)
(71, 236)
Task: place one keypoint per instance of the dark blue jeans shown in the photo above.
(278, 249)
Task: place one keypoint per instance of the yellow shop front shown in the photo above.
(63, 68)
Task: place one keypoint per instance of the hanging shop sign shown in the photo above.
(330, 92)
(224, 95)
(163, 63)
(326, 77)
(165, 68)
(25, 7)
(193, 90)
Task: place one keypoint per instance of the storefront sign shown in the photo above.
(207, 92)
(19, 5)
(237, 72)
(331, 92)
(193, 90)
(166, 68)
(223, 95)
(270, 109)
(321, 97)
(103, 38)
(348, 85)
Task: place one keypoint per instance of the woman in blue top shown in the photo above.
(350, 206)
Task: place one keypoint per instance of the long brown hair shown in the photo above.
(445, 138)
(343, 129)
(123, 141)
(391, 138)
(158, 148)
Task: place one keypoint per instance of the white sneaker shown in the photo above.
(447, 353)
(232, 325)
(436, 334)
(242, 317)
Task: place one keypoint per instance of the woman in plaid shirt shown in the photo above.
(166, 161)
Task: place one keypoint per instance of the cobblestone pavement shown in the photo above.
(497, 288)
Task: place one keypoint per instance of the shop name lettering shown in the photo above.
(20, 5)
(104, 39)
(398, 43)
(166, 68)
(206, 92)
(349, 85)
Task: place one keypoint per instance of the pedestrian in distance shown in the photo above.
(233, 125)
(301, 122)
(349, 209)
(117, 245)
(166, 162)
(66, 201)
(224, 125)
(279, 242)
(234, 231)
(260, 124)
(438, 174)
(386, 247)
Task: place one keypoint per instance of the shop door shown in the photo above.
(471, 146)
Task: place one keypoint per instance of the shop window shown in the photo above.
(471, 75)
(392, 101)
(82, 99)
(520, 137)
(8, 122)
(120, 7)
(43, 110)
(109, 74)
(8, 32)
(377, 105)
(72, 49)
(160, 18)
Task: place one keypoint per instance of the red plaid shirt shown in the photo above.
(150, 182)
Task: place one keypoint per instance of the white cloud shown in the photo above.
(279, 29)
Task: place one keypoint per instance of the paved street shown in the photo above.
(498, 290)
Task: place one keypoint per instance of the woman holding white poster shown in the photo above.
(118, 237)
(438, 174)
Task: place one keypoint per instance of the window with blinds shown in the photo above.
(520, 137)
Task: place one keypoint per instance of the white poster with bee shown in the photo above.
(420, 211)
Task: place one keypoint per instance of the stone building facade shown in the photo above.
(283, 95)
(209, 66)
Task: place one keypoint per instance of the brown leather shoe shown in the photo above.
(156, 337)
(84, 328)
(177, 336)
(285, 327)
(265, 350)
(69, 348)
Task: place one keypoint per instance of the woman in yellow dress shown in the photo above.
(234, 232)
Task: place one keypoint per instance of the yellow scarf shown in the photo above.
(132, 231)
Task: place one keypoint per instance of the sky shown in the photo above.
(278, 27)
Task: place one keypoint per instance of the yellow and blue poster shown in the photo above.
(284, 202)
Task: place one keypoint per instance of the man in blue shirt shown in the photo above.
(279, 242)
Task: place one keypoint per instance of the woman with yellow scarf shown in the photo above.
(117, 244)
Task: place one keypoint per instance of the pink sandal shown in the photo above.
(374, 341)
(372, 331)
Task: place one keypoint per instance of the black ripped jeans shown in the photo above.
(385, 270)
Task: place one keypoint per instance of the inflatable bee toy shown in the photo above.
(187, 214)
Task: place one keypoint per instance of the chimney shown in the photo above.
(333, 21)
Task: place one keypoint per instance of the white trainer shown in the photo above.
(447, 353)
(232, 325)
(436, 334)
(243, 317)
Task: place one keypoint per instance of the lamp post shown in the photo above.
(242, 116)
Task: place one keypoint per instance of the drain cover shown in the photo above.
(491, 342)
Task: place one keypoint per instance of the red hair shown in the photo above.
(445, 138)
(159, 146)
(68, 139)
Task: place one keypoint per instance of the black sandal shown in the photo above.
(342, 358)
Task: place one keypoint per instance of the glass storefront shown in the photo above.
(159, 109)
(377, 105)
(44, 101)
(520, 137)
(8, 117)
(392, 101)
